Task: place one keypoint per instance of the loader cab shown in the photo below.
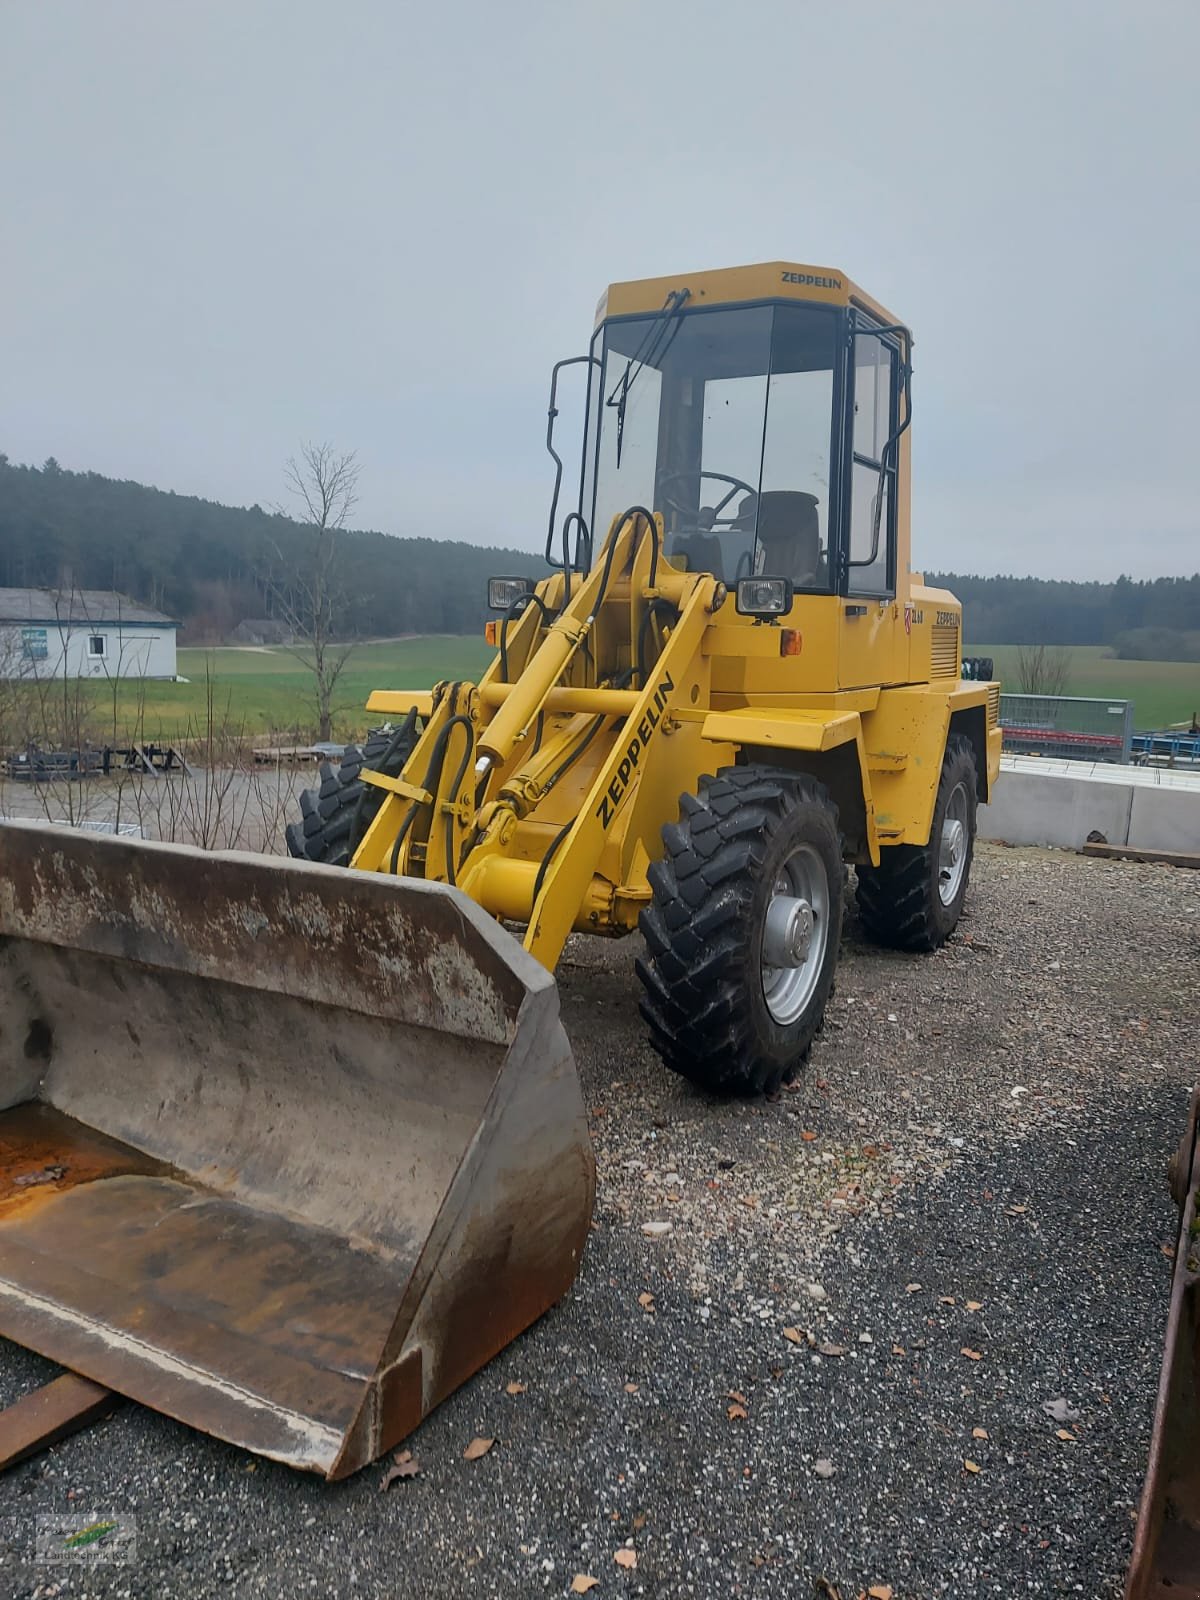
(766, 435)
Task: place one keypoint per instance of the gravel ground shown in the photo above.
(956, 1215)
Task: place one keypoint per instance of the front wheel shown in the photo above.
(743, 929)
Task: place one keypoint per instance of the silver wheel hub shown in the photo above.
(795, 935)
(953, 846)
(788, 933)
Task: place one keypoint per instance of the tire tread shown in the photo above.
(327, 813)
(697, 932)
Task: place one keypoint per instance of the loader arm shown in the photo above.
(640, 744)
(519, 785)
(431, 819)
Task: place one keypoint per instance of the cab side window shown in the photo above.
(793, 502)
(872, 546)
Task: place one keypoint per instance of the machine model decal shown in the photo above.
(616, 790)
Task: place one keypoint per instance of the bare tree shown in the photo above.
(1043, 669)
(323, 483)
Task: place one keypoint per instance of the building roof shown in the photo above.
(79, 607)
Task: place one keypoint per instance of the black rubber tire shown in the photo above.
(898, 901)
(334, 817)
(704, 999)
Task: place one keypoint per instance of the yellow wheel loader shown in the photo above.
(289, 1151)
(730, 685)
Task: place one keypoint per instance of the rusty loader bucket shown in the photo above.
(286, 1152)
(1166, 1546)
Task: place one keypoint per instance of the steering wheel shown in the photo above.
(739, 485)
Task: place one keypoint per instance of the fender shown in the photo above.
(906, 738)
(808, 741)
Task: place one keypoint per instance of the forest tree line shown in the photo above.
(211, 566)
(1155, 619)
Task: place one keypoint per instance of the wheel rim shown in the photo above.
(952, 850)
(795, 935)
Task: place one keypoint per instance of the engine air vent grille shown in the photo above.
(943, 661)
(993, 705)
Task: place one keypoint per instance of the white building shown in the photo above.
(83, 633)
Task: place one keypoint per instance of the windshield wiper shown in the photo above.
(655, 343)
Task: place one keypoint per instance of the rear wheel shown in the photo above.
(743, 929)
(334, 817)
(913, 899)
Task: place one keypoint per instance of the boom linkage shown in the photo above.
(490, 754)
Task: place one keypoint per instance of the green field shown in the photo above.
(1163, 692)
(269, 692)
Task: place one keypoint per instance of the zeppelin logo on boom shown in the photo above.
(619, 786)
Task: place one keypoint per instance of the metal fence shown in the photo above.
(126, 830)
(1167, 749)
(1067, 725)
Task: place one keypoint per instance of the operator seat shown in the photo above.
(701, 553)
(789, 536)
(698, 550)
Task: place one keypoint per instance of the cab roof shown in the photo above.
(769, 280)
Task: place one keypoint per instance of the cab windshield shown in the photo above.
(722, 421)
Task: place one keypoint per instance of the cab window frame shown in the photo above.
(590, 466)
(861, 325)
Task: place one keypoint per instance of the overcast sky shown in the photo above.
(233, 225)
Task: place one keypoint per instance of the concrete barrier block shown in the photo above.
(1165, 819)
(1054, 809)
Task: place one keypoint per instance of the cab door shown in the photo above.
(870, 650)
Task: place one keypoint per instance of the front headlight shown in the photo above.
(505, 592)
(764, 597)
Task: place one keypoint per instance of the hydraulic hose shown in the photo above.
(437, 757)
(549, 857)
(568, 565)
(405, 729)
(657, 607)
(451, 867)
(499, 738)
(630, 511)
(516, 609)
